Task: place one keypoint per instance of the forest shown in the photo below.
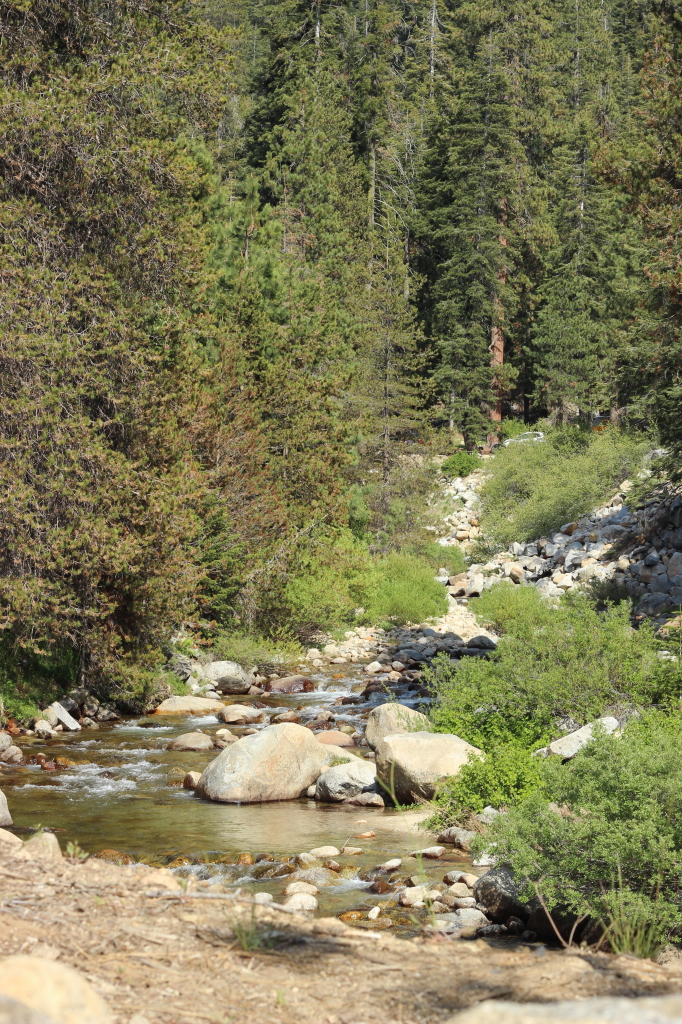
(259, 260)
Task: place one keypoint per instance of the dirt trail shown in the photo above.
(173, 958)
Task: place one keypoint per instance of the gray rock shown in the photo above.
(228, 677)
(50, 715)
(498, 892)
(344, 781)
(5, 741)
(191, 741)
(12, 755)
(483, 642)
(43, 729)
(411, 765)
(458, 837)
(390, 719)
(189, 706)
(64, 718)
(606, 1010)
(569, 745)
(5, 816)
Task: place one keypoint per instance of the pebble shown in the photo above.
(374, 913)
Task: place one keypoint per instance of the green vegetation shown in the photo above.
(461, 464)
(505, 775)
(249, 650)
(536, 487)
(602, 834)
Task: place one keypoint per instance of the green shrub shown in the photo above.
(615, 849)
(405, 591)
(254, 649)
(534, 488)
(461, 464)
(551, 663)
(437, 556)
(506, 775)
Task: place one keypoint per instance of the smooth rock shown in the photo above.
(13, 755)
(44, 846)
(228, 677)
(295, 887)
(498, 892)
(191, 741)
(374, 913)
(237, 714)
(43, 729)
(374, 667)
(344, 781)
(469, 917)
(263, 897)
(601, 1010)
(64, 718)
(459, 837)
(460, 889)
(290, 684)
(286, 716)
(569, 745)
(5, 816)
(8, 840)
(391, 719)
(335, 738)
(54, 989)
(191, 780)
(50, 715)
(415, 894)
(430, 852)
(277, 763)
(411, 765)
(467, 877)
(225, 736)
(189, 706)
(301, 901)
(5, 741)
(391, 865)
(320, 852)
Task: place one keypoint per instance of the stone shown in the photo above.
(371, 916)
(324, 851)
(461, 876)
(569, 745)
(225, 736)
(53, 989)
(351, 851)
(50, 715)
(228, 677)
(470, 917)
(43, 846)
(367, 799)
(498, 892)
(5, 741)
(277, 763)
(286, 716)
(483, 642)
(430, 852)
(42, 729)
(189, 706)
(415, 894)
(13, 755)
(390, 719)
(290, 684)
(335, 738)
(303, 901)
(238, 714)
(460, 890)
(191, 741)
(411, 765)
(344, 781)
(89, 723)
(64, 718)
(391, 865)
(12, 1012)
(599, 1010)
(305, 860)
(8, 841)
(191, 780)
(458, 837)
(297, 887)
(5, 816)
(263, 897)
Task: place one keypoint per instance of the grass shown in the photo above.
(534, 488)
(249, 649)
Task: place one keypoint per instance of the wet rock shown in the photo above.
(5, 741)
(53, 989)
(367, 799)
(461, 876)
(498, 892)
(115, 857)
(414, 895)
(228, 677)
(458, 837)
(374, 913)
(42, 729)
(5, 816)
(316, 876)
(290, 684)
(298, 887)
(278, 763)
(44, 847)
(430, 852)
(286, 716)
(390, 719)
(89, 723)
(225, 736)
(237, 714)
(344, 781)
(191, 741)
(50, 716)
(304, 860)
(191, 780)
(12, 754)
(64, 718)
(335, 738)
(351, 851)
(415, 763)
(107, 713)
(189, 706)
(390, 865)
(380, 885)
(324, 851)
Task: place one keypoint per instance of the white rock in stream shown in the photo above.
(64, 718)
(344, 781)
(301, 901)
(189, 706)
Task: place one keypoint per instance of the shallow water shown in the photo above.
(124, 795)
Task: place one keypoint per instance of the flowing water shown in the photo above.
(125, 793)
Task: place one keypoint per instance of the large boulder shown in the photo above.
(189, 706)
(344, 781)
(290, 684)
(228, 677)
(498, 892)
(277, 763)
(64, 717)
(53, 989)
(390, 719)
(191, 741)
(411, 765)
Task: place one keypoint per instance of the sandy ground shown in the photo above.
(181, 957)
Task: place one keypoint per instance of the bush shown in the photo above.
(551, 663)
(406, 591)
(534, 488)
(249, 649)
(461, 464)
(615, 849)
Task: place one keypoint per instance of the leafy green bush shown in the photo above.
(461, 464)
(533, 488)
(254, 649)
(551, 663)
(405, 591)
(614, 849)
(503, 777)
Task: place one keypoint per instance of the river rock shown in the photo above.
(5, 816)
(411, 765)
(9, 843)
(320, 852)
(12, 754)
(415, 894)
(191, 741)
(319, 876)
(43, 847)
(191, 780)
(568, 746)
(467, 877)
(344, 781)
(301, 901)
(225, 736)
(430, 852)
(54, 989)
(64, 718)
(498, 892)
(238, 714)
(290, 684)
(459, 837)
(277, 763)
(189, 706)
(43, 729)
(286, 716)
(390, 719)
(5, 741)
(601, 1010)
(50, 715)
(469, 917)
(295, 887)
(335, 738)
(228, 677)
